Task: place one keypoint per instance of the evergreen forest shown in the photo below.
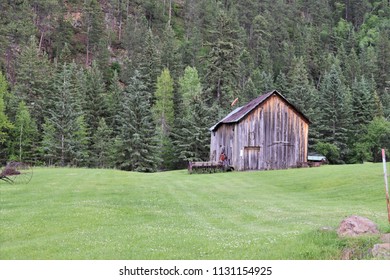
(136, 84)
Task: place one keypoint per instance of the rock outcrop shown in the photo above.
(381, 251)
(355, 226)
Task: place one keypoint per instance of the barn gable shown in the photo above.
(266, 133)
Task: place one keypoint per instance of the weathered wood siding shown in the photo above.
(272, 136)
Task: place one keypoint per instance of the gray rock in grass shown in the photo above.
(385, 238)
(381, 251)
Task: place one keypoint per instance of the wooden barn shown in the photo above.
(267, 133)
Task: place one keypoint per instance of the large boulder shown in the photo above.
(381, 251)
(355, 226)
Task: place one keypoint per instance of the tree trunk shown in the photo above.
(219, 90)
(87, 58)
(62, 150)
(20, 142)
(170, 12)
(120, 20)
(41, 40)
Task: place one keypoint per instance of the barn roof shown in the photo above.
(240, 112)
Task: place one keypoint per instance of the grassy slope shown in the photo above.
(107, 214)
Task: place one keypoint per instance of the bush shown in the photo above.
(331, 151)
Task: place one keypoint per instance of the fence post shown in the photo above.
(386, 183)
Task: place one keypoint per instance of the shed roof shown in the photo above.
(239, 113)
(316, 157)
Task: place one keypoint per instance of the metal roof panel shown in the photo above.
(237, 114)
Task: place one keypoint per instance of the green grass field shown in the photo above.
(66, 213)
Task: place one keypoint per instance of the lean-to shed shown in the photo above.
(267, 133)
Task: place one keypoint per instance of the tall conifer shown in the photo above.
(64, 131)
(5, 124)
(23, 146)
(103, 148)
(96, 100)
(33, 74)
(137, 147)
(335, 110)
(221, 79)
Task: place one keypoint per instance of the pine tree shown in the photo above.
(46, 14)
(102, 149)
(5, 124)
(64, 131)
(134, 36)
(364, 109)
(189, 89)
(163, 111)
(369, 62)
(115, 92)
(102, 58)
(170, 55)
(376, 137)
(121, 14)
(24, 136)
(65, 55)
(342, 32)
(303, 95)
(223, 61)
(314, 54)
(137, 147)
(246, 68)
(281, 29)
(363, 106)
(163, 107)
(281, 83)
(300, 92)
(96, 100)
(149, 63)
(155, 12)
(48, 147)
(81, 79)
(385, 101)
(263, 81)
(352, 67)
(190, 86)
(79, 143)
(193, 137)
(192, 43)
(16, 27)
(171, 58)
(383, 58)
(249, 92)
(93, 27)
(260, 41)
(63, 37)
(33, 74)
(335, 108)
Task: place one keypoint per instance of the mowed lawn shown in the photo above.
(66, 213)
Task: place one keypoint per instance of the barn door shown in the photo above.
(251, 158)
